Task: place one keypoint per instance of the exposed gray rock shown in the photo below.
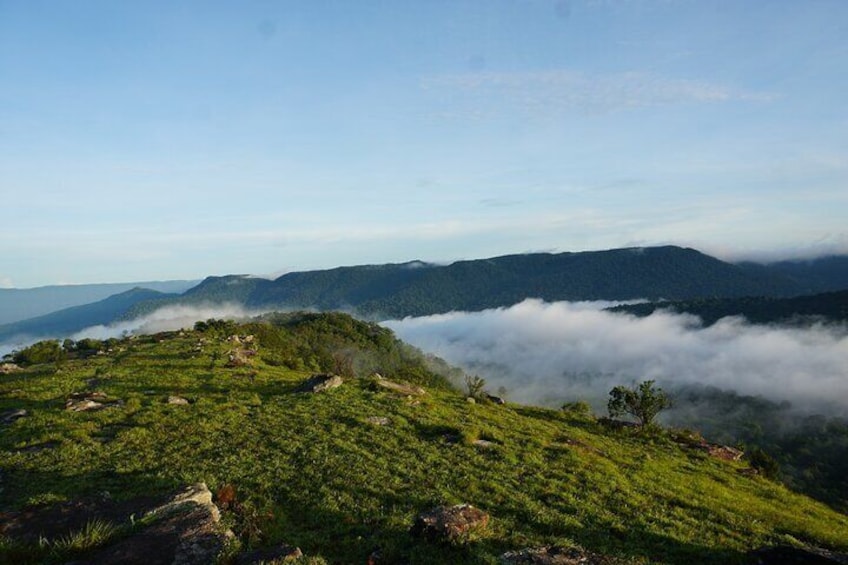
(6, 368)
(449, 523)
(184, 531)
(495, 399)
(379, 420)
(88, 401)
(400, 388)
(788, 555)
(553, 555)
(320, 383)
(484, 443)
(178, 400)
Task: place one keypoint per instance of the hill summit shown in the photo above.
(386, 462)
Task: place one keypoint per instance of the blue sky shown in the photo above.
(153, 140)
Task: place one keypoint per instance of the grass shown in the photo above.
(312, 471)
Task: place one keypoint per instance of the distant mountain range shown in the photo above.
(417, 288)
(24, 303)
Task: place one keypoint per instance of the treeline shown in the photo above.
(803, 310)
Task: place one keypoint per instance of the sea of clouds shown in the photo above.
(548, 353)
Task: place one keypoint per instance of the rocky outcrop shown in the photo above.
(181, 528)
(183, 531)
(788, 555)
(449, 523)
(6, 368)
(177, 400)
(553, 555)
(320, 383)
(89, 401)
(404, 389)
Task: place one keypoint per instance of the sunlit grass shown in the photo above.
(313, 471)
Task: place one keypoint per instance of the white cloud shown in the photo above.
(545, 353)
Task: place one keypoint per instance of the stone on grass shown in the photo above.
(178, 400)
(320, 383)
(495, 399)
(400, 388)
(6, 368)
(553, 555)
(788, 555)
(484, 443)
(449, 523)
(378, 420)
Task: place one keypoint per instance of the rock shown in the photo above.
(449, 523)
(240, 357)
(471, 400)
(181, 529)
(484, 443)
(788, 555)
(178, 400)
(280, 553)
(724, 452)
(320, 383)
(400, 388)
(495, 399)
(10, 416)
(552, 555)
(378, 420)
(7, 368)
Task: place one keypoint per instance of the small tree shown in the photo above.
(643, 402)
(474, 386)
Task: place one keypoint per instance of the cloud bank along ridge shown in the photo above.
(164, 319)
(546, 353)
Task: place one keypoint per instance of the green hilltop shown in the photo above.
(342, 474)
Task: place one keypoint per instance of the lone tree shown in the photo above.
(643, 402)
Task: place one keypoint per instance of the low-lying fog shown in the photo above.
(546, 353)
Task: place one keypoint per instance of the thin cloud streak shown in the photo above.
(543, 92)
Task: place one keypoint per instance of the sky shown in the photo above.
(180, 139)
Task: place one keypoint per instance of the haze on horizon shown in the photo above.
(156, 140)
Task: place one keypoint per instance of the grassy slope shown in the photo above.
(312, 471)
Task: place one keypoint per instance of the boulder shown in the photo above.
(724, 452)
(320, 383)
(495, 399)
(6, 368)
(553, 555)
(89, 401)
(184, 531)
(449, 523)
(178, 528)
(177, 400)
